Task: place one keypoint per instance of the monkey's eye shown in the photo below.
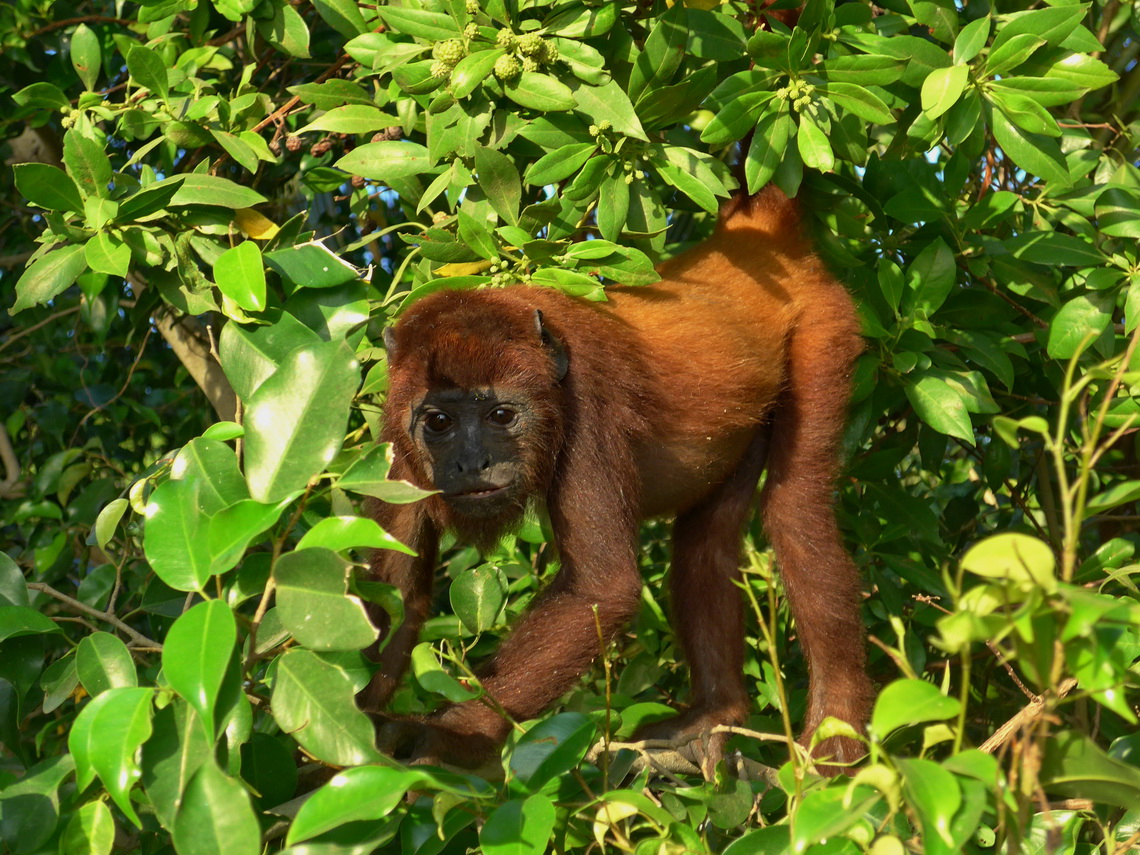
(438, 422)
(502, 416)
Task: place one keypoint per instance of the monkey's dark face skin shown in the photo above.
(473, 444)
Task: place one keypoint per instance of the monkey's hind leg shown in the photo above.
(821, 581)
(708, 609)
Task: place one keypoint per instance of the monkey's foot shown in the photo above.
(427, 742)
(691, 735)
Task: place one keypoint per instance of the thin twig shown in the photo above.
(76, 606)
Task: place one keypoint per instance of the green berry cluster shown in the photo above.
(798, 92)
(447, 55)
(528, 52)
(502, 275)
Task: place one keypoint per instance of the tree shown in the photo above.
(220, 204)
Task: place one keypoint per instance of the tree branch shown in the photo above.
(82, 608)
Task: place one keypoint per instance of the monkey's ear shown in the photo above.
(556, 348)
(390, 342)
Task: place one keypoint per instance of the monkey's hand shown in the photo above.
(690, 735)
(430, 741)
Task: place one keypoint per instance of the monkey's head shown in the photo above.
(475, 405)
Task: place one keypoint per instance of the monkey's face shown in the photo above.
(477, 448)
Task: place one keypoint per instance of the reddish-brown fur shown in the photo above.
(675, 395)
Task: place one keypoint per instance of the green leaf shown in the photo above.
(1076, 767)
(935, 797)
(519, 827)
(343, 16)
(31, 805)
(472, 70)
(813, 145)
(608, 103)
(433, 26)
(295, 421)
(49, 276)
(199, 189)
(352, 119)
(232, 529)
(1079, 322)
(196, 655)
(828, 813)
(91, 831)
(551, 749)
(148, 70)
(340, 533)
(314, 605)
(1035, 153)
(368, 475)
(86, 55)
(313, 702)
(103, 663)
(612, 212)
(477, 596)
(216, 816)
(940, 405)
(22, 620)
(971, 40)
(87, 163)
(907, 702)
(1018, 558)
(1012, 53)
(175, 751)
(41, 94)
(14, 591)
(861, 101)
(47, 186)
(214, 465)
(150, 200)
(105, 740)
(240, 274)
(105, 254)
(767, 147)
(932, 276)
(540, 92)
(250, 354)
(174, 539)
(942, 89)
(1026, 113)
(499, 179)
(560, 163)
(1118, 212)
(387, 160)
(286, 31)
(433, 678)
(1054, 24)
(736, 118)
(1055, 248)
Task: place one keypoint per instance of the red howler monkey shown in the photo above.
(665, 400)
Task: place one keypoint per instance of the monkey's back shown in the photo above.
(714, 334)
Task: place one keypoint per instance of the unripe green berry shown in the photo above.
(506, 40)
(530, 44)
(450, 51)
(604, 125)
(529, 63)
(549, 52)
(471, 30)
(629, 178)
(440, 69)
(472, 7)
(507, 67)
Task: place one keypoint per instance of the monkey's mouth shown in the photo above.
(481, 493)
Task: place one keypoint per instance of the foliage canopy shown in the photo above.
(224, 201)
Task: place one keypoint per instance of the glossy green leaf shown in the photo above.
(199, 189)
(47, 186)
(1026, 113)
(21, 620)
(932, 276)
(343, 16)
(14, 591)
(1053, 24)
(174, 538)
(1074, 766)
(1010, 54)
(814, 147)
(148, 70)
(196, 653)
(433, 26)
(829, 812)
(1019, 558)
(560, 163)
(106, 254)
(477, 596)
(311, 265)
(935, 795)
(939, 405)
(551, 749)
(519, 827)
(105, 740)
(1037, 154)
(295, 421)
(1118, 212)
(240, 274)
(103, 662)
(942, 89)
(499, 180)
(431, 675)
(352, 119)
(767, 147)
(216, 817)
(87, 163)
(354, 795)
(29, 807)
(86, 55)
(91, 831)
(861, 101)
(340, 533)
(313, 702)
(314, 605)
(971, 39)
(232, 529)
(250, 354)
(540, 92)
(368, 475)
(907, 702)
(1079, 322)
(48, 276)
(387, 160)
(608, 103)
(176, 750)
(472, 70)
